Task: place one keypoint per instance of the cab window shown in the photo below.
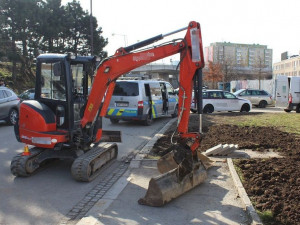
(53, 81)
(77, 78)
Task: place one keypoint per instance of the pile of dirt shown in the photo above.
(272, 184)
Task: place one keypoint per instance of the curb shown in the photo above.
(95, 212)
(255, 220)
(135, 163)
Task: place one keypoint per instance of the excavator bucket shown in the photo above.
(207, 162)
(169, 162)
(180, 172)
(162, 189)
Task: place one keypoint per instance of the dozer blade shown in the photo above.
(162, 189)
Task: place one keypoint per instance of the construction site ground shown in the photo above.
(272, 183)
(215, 201)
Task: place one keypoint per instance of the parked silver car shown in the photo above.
(28, 94)
(9, 105)
(258, 98)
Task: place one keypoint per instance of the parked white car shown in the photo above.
(218, 101)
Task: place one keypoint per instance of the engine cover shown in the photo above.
(36, 116)
(37, 126)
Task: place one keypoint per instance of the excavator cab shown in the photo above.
(51, 122)
(61, 92)
(62, 85)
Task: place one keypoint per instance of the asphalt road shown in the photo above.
(269, 110)
(46, 197)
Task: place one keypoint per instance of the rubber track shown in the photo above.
(18, 163)
(80, 166)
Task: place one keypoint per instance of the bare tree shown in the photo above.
(260, 69)
(214, 73)
(229, 70)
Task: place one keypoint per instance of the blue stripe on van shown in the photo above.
(172, 99)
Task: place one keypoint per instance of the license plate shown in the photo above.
(121, 104)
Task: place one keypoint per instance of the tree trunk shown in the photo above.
(14, 63)
(50, 47)
(24, 57)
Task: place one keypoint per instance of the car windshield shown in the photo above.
(238, 92)
(229, 95)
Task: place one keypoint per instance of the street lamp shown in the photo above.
(91, 27)
(124, 36)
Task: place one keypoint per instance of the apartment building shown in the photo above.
(288, 66)
(248, 61)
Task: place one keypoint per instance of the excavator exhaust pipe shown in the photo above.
(163, 188)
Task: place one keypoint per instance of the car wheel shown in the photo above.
(148, 121)
(114, 121)
(298, 109)
(13, 116)
(208, 109)
(175, 114)
(262, 104)
(245, 108)
(193, 110)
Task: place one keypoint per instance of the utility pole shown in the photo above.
(91, 27)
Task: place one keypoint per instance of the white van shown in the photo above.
(142, 100)
(288, 93)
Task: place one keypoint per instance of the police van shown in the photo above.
(142, 100)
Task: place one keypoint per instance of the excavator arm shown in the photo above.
(124, 60)
(183, 168)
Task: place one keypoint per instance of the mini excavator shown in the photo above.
(64, 121)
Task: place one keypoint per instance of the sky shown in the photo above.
(273, 23)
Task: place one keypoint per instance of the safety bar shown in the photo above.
(151, 40)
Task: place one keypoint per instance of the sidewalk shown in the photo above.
(216, 201)
(213, 202)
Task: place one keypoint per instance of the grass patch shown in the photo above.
(238, 170)
(287, 122)
(266, 217)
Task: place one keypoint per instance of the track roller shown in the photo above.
(25, 165)
(87, 166)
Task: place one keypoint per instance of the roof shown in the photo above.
(143, 81)
(62, 56)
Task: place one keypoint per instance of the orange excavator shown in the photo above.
(64, 121)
